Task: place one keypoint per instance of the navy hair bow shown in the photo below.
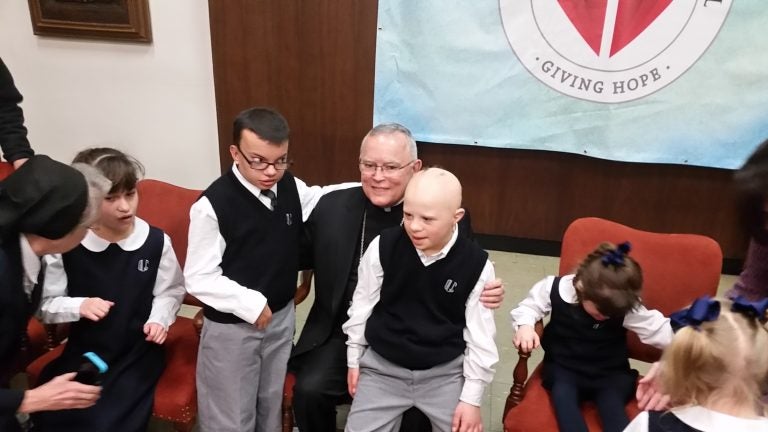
(703, 309)
(754, 309)
(616, 256)
(706, 309)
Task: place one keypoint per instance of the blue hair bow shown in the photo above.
(702, 310)
(616, 257)
(706, 309)
(755, 309)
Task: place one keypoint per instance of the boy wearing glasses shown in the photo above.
(242, 263)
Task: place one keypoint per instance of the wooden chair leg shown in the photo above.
(519, 376)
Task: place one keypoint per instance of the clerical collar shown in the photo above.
(386, 209)
(399, 204)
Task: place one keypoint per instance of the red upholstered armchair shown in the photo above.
(677, 268)
(167, 207)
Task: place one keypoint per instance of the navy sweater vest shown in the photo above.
(419, 320)
(93, 274)
(577, 342)
(262, 251)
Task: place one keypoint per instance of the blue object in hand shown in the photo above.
(91, 369)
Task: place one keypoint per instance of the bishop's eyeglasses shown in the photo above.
(387, 169)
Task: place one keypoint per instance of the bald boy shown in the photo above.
(417, 333)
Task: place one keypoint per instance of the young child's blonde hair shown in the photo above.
(610, 279)
(724, 359)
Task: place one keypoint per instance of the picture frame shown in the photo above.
(126, 20)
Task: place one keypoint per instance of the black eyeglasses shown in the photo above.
(388, 169)
(260, 164)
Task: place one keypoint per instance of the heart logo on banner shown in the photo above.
(632, 18)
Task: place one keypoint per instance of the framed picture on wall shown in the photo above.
(101, 19)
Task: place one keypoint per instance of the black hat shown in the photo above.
(43, 197)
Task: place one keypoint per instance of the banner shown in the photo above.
(683, 81)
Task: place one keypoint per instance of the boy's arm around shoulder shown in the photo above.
(310, 195)
(367, 293)
(650, 325)
(481, 353)
(169, 289)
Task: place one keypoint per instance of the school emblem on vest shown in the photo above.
(450, 286)
(143, 265)
(288, 219)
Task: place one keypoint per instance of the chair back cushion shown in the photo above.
(677, 268)
(166, 206)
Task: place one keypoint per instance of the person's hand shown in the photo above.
(648, 394)
(155, 332)
(493, 294)
(263, 320)
(302, 291)
(466, 418)
(19, 162)
(353, 375)
(526, 338)
(95, 308)
(59, 393)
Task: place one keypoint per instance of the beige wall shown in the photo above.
(155, 101)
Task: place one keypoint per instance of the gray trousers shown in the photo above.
(385, 390)
(241, 372)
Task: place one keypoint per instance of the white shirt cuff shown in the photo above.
(354, 353)
(472, 392)
(63, 310)
(251, 307)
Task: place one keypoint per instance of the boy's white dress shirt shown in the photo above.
(481, 353)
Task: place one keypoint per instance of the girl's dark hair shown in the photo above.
(122, 170)
(751, 182)
(613, 285)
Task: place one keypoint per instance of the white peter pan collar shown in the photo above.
(94, 243)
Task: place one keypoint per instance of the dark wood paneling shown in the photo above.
(536, 194)
(314, 61)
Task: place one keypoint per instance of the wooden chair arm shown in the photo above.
(54, 334)
(520, 375)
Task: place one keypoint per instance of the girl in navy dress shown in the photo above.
(714, 371)
(121, 289)
(585, 342)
